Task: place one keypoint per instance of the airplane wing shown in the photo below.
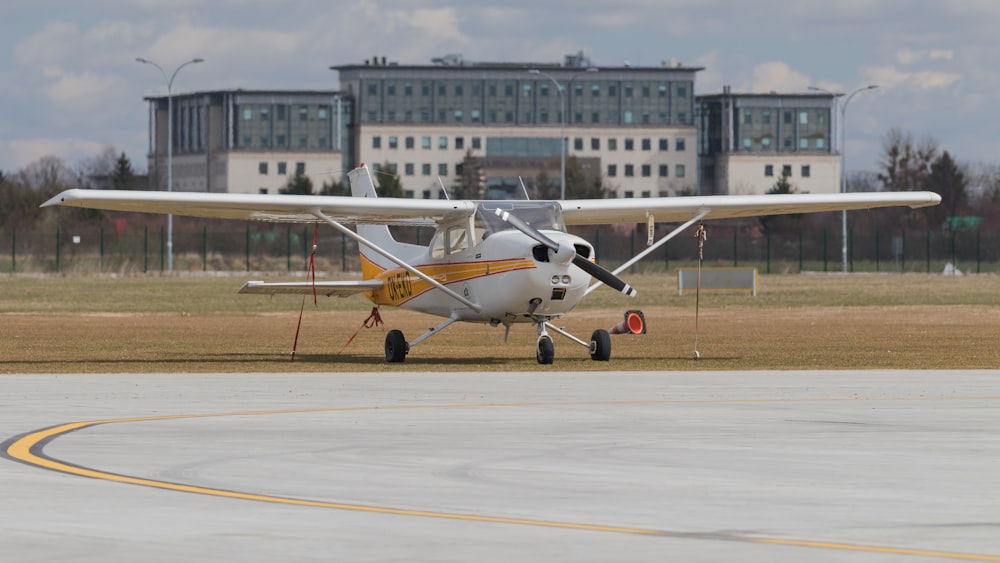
(327, 288)
(675, 209)
(265, 207)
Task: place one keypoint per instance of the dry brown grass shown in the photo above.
(143, 325)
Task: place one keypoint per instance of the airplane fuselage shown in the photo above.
(506, 274)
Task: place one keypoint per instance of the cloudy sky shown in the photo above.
(71, 85)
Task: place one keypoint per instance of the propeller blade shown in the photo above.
(592, 268)
(603, 275)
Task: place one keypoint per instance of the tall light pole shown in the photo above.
(843, 162)
(170, 148)
(562, 124)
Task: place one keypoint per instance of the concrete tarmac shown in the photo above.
(858, 466)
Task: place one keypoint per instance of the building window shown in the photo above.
(679, 144)
(629, 144)
(442, 169)
(279, 140)
(303, 113)
(393, 142)
(664, 144)
(425, 169)
(595, 117)
(442, 142)
(612, 170)
(628, 116)
(679, 171)
(747, 117)
(806, 171)
(477, 143)
(578, 143)
(747, 143)
(803, 143)
(459, 143)
(629, 170)
(247, 114)
(595, 143)
(647, 145)
(647, 193)
(804, 118)
(409, 142)
(303, 142)
(475, 115)
(372, 89)
(647, 171)
(769, 170)
(766, 143)
(595, 91)
(628, 194)
(282, 168)
(425, 142)
(265, 113)
(664, 171)
(821, 143)
(300, 168)
(262, 168)
(408, 169)
(786, 170)
(612, 144)
(458, 116)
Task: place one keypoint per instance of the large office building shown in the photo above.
(639, 129)
(637, 124)
(248, 141)
(747, 142)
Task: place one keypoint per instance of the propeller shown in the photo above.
(564, 255)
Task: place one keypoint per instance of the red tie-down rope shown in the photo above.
(373, 320)
(310, 272)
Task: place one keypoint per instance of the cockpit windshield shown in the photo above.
(542, 215)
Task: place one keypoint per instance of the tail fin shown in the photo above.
(372, 263)
(362, 184)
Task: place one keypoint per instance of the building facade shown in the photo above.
(249, 141)
(747, 142)
(423, 120)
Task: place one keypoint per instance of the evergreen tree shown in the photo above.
(950, 183)
(299, 184)
(469, 184)
(123, 177)
(389, 184)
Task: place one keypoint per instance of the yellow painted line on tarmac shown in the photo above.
(29, 447)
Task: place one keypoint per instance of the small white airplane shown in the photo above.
(496, 262)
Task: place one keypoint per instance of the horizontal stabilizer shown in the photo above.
(327, 288)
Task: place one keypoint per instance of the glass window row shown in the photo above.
(392, 142)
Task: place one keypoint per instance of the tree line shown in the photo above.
(970, 192)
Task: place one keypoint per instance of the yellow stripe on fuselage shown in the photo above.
(400, 285)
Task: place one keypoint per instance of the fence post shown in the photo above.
(288, 243)
(825, 257)
(850, 250)
(343, 252)
(163, 250)
(979, 264)
(736, 232)
(928, 253)
(204, 248)
(768, 237)
(876, 251)
(58, 234)
(13, 250)
(101, 262)
(800, 251)
(902, 251)
(145, 249)
(247, 246)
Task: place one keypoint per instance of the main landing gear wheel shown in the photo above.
(545, 351)
(395, 347)
(600, 345)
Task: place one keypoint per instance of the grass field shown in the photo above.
(142, 324)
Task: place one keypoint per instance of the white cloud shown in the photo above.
(913, 56)
(778, 77)
(889, 77)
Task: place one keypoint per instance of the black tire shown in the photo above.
(545, 353)
(600, 346)
(395, 347)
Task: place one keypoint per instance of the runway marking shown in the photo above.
(29, 448)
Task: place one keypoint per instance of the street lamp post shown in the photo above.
(170, 148)
(562, 124)
(843, 163)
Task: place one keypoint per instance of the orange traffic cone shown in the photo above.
(634, 323)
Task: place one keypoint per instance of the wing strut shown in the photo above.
(362, 240)
(701, 214)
